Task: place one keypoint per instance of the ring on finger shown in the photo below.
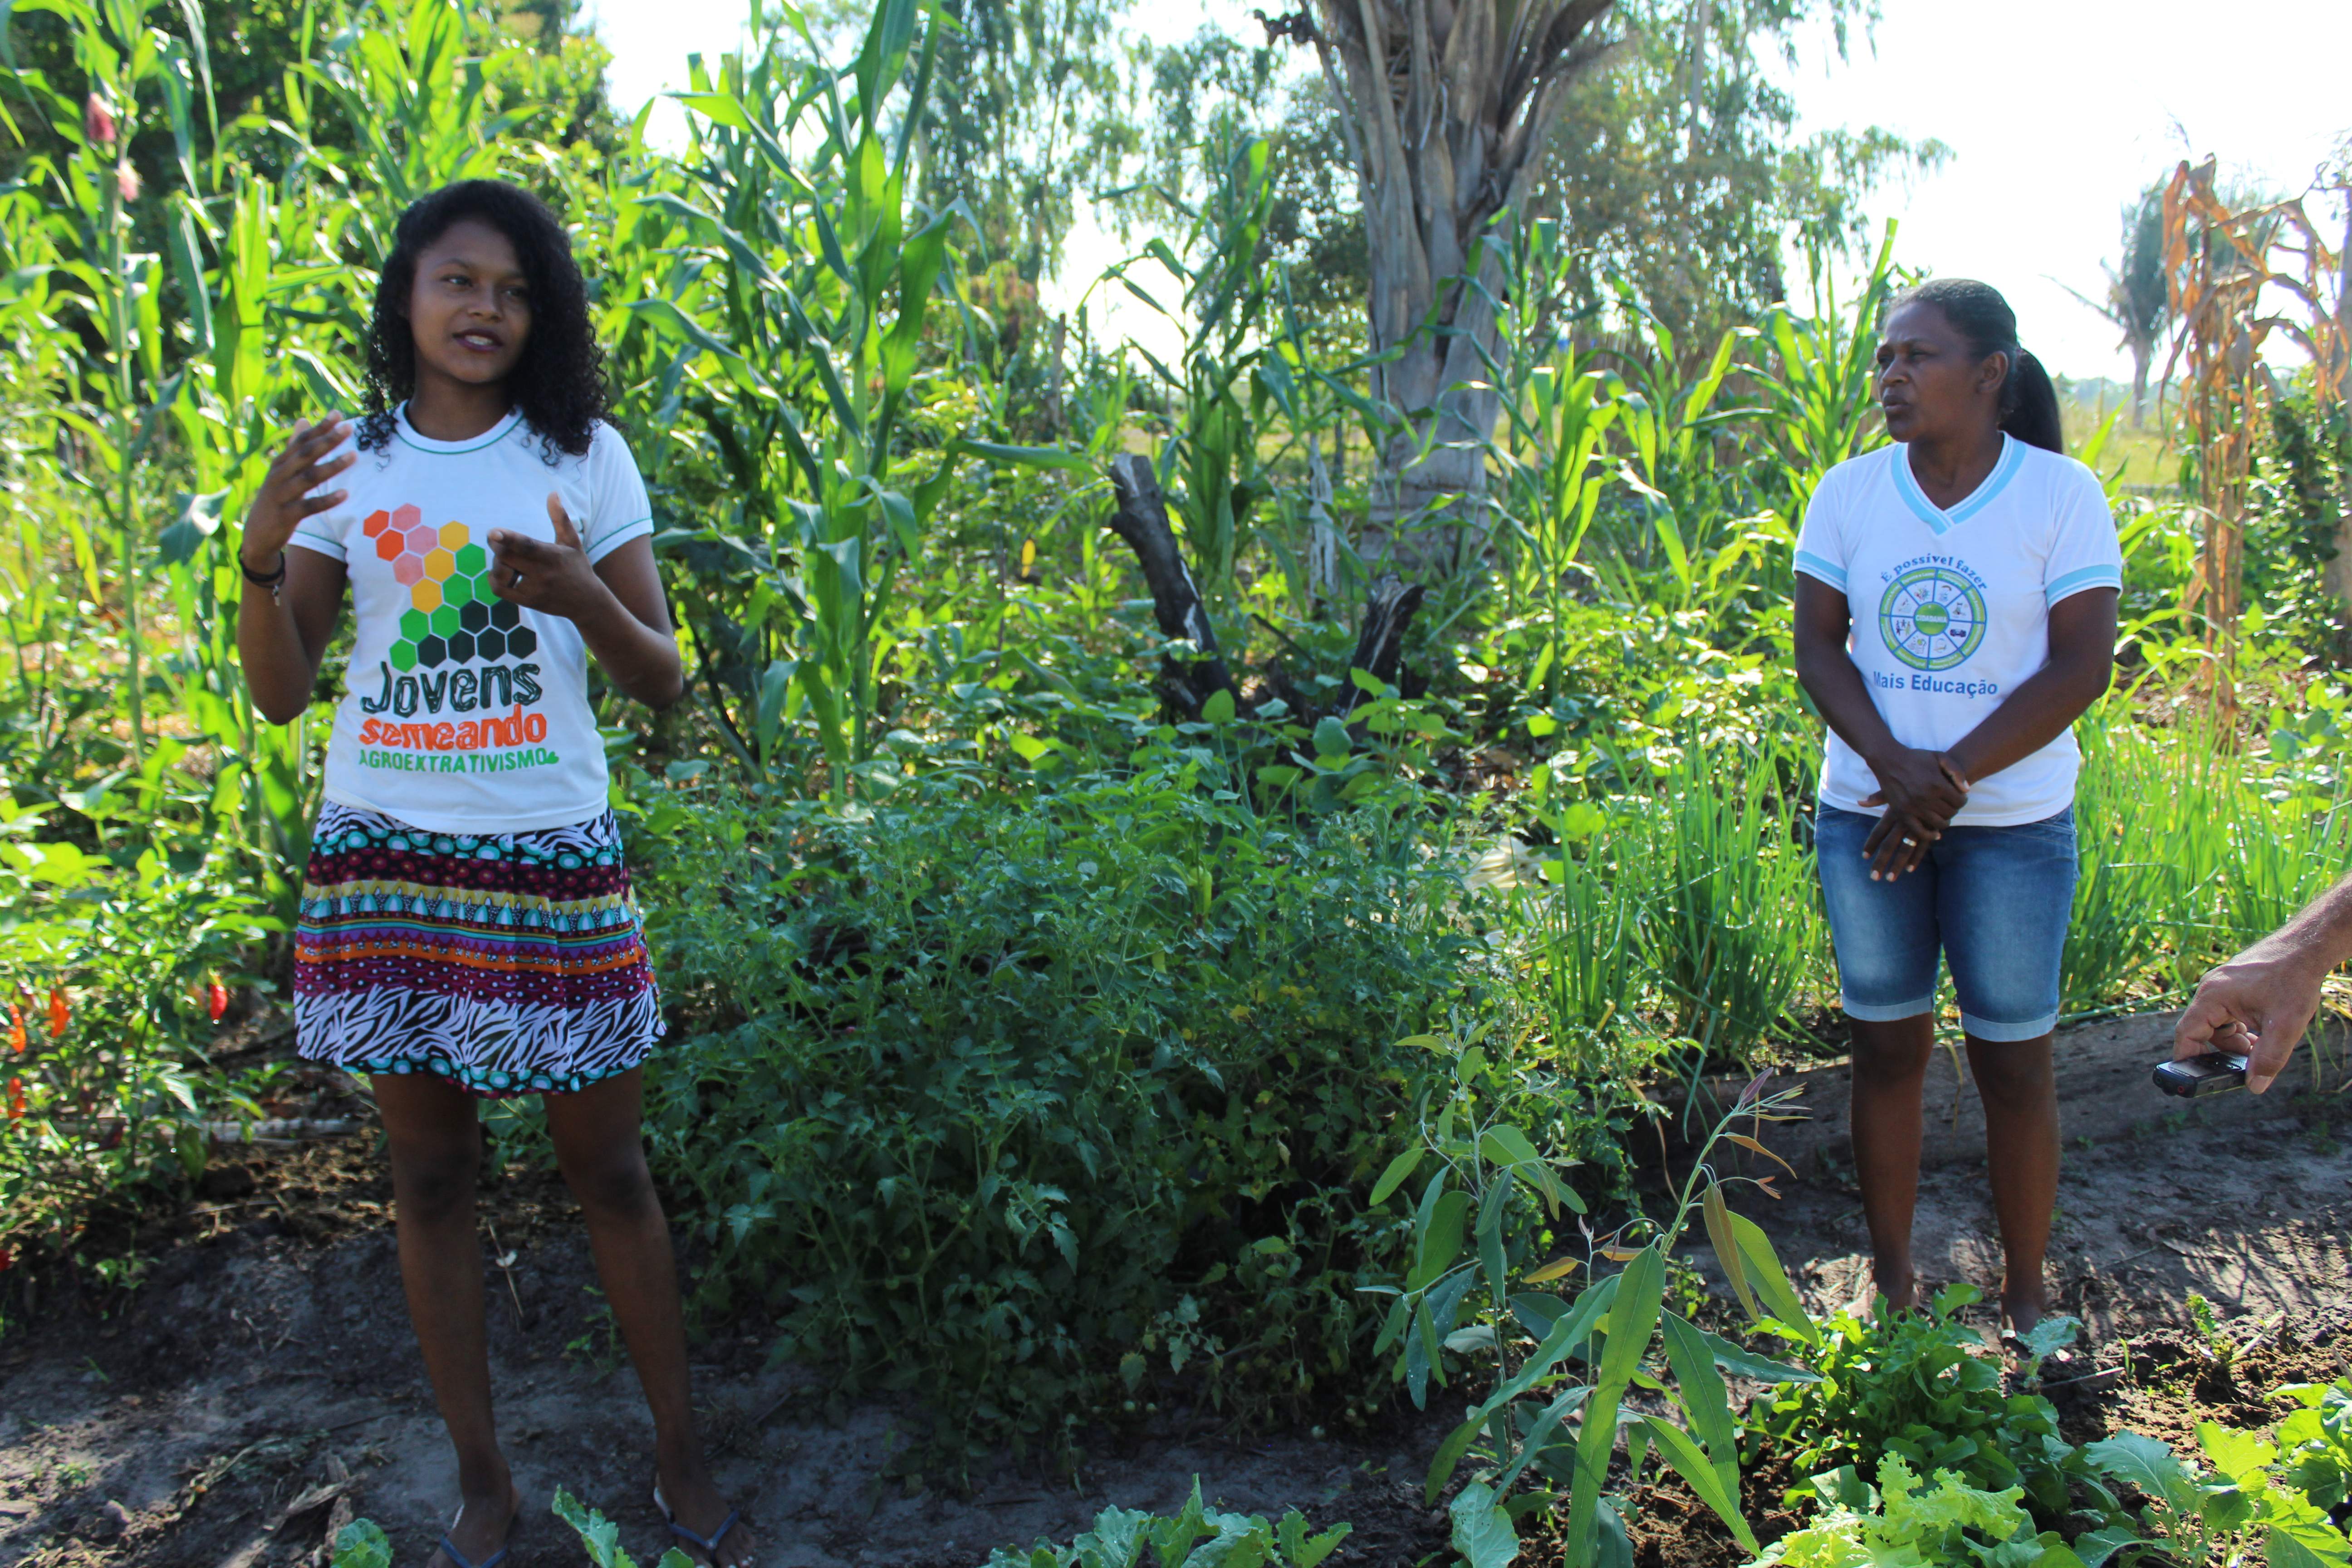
(1910, 844)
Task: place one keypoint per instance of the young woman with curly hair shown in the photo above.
(467, 930)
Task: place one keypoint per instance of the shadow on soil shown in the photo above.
(261, 1382)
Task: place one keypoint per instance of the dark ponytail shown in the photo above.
(2028, 402)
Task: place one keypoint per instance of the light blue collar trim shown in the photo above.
(2013, 458)
(1899, 458)
(1939, 521)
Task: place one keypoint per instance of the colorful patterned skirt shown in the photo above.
(507, 962)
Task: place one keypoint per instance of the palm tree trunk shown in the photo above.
(1446, 108)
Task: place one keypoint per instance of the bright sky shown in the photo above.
(2056, 110)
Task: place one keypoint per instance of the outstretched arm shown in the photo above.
(2262, 1001)
(616, 603)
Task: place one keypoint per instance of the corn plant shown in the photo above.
(791, 301)
(1481, 1226)
(1553, 492)
(1230, 379)
(1821, 408)
(114, 409)
(169, 421)
(414, 93)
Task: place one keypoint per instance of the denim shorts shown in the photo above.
(1992, 901)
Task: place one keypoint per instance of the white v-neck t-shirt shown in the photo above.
(1951, 608)
(463, 712)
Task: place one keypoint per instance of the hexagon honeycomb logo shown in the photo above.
(453, 615)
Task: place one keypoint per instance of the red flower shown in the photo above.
(216, 999)
(96, 122)
(16, 1100)
(15, 1029)
(61, 1012)
(6, 1262)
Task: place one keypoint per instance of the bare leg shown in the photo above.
(2019, 1085)
(436, 1146)
(1890, 1069)
(598, 1134)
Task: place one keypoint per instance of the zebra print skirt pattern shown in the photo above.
(508, 963)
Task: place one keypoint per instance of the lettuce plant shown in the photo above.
(1904, 1523)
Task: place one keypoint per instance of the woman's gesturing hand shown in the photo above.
(1922, 792)
(285, 498)
(616, 603)
(555, 578)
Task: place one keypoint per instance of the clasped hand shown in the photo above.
(1922, 792)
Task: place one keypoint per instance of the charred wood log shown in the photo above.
(1380, 642)
(1141, 520)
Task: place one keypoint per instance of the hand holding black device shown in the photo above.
(2212, 1073)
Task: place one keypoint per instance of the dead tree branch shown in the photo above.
(1141, 520)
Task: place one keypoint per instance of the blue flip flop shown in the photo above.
(462, 1560)
(495, 1558)
(709, 1544)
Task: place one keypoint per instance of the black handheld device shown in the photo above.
(2211, 1073)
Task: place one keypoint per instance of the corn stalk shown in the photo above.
(2216, 265)
(115, 408)
(789, 302)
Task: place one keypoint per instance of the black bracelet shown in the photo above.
(273, 582)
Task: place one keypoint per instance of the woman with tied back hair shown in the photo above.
(1956, 614)
(467, 930)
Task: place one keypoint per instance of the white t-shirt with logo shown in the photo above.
(464, 714)
(1951, 608)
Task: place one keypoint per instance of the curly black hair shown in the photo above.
(559, 382)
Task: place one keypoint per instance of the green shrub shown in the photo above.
(1914, 1384)
(1197, 1537)
(1027, 1103)
(108, 987)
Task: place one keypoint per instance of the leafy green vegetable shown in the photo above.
(2315, 1442)
(1903, 1524)
(1197, 1536)
(362, 1544)
(601, 1537)
(1918, 1385)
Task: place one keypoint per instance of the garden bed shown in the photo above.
(268, 1351)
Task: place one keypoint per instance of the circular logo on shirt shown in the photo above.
(1932, 618)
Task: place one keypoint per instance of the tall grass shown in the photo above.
(1584, 944)
(1733, 901)
(2189, 850)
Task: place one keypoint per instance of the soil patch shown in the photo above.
(206, 1416)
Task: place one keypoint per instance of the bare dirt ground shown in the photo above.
(261, 1380)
